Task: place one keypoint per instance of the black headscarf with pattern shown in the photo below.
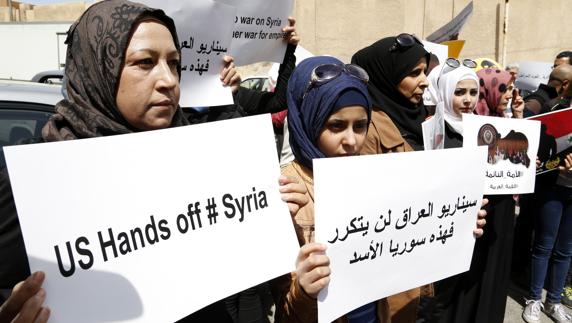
(97, 43)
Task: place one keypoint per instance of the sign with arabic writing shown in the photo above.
(391, 225)
(139, 237)
(512, 147)
(531, 74)
(204, 29)
(257, 34)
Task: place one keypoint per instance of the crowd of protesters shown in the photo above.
(375, 105)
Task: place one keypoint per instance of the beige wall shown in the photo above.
(59, 12)
(341, 27)
(22, 12)
(536, 29)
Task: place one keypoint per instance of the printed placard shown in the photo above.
(392, 222)
(204, 29)
(152, 226)
(257, 34)
(512, 150)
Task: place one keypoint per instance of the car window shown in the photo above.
(51, 80)
(17, 126)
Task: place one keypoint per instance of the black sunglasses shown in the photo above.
(404, 41)
(323, 74)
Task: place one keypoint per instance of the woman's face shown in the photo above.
(506, 95)
(415, 83)
(344, 132)
(465, 97)
(148, 93)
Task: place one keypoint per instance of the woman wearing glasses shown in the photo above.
(328, 114)
(457, 90)
(397, 67)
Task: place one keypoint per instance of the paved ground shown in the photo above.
(515, 303)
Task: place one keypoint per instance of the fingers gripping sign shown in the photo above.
(478, 232)
(229, 75)
(25, 304)
(313, 268)
(294, 193)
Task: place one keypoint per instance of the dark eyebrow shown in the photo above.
(151, 51)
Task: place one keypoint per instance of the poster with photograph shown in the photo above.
(512, 150)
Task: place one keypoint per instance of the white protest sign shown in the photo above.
(532, 74)
(441, 51)
(257, 35)
(512, 149)
(152, 226)
(392, 222)
(204, 28)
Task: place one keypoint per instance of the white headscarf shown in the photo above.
(446, 86)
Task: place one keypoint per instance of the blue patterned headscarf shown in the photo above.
(307, 115)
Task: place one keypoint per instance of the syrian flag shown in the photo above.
(555, 138)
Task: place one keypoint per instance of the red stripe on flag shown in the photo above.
(558, 123)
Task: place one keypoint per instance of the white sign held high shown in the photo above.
(152, 226)
(392, 222)
(204, 29)
(257, 34)
(512, 149)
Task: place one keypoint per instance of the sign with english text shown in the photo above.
(512, 147)
(393, 222)
(257, 33)
(152, 226)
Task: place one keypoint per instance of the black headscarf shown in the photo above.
(97, 43)
(386, 70)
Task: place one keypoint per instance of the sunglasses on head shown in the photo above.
(323, 74)
(404, 41)
(454, 63)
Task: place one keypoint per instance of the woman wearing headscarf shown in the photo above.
(328, 114)
(493, 252)
(457, 90)
(496, 92)
(122, 76)
(397, 68)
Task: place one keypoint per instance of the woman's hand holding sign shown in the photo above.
(25, 303)
(312, 268)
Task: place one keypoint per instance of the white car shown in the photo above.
(24, 110)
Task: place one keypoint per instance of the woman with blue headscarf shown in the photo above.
(329, 111)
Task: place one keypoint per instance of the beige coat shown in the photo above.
(384, 137)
